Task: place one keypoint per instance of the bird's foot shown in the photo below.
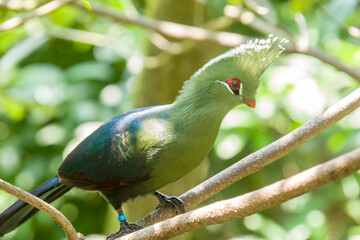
(172, 201)
(125, 228)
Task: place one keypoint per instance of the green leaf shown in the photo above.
(336, 142)
(302, 5)
(90, 70)
(12, 108)
(216, 7)
(87, 5)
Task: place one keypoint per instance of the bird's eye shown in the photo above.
(234, 83)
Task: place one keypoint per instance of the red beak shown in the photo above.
(250, 103)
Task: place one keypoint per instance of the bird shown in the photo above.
(142, 150)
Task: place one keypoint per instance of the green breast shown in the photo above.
(180, 150)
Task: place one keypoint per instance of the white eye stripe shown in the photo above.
(228, 87)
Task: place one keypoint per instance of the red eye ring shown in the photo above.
(234, 83)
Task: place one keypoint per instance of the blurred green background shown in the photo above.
(63, 74)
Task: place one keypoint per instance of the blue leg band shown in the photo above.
(56, 183)
(122, 218)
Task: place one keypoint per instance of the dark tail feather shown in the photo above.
(20, 211)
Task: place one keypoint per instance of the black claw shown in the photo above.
(173, 201)
(125, 228)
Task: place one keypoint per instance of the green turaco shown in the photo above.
(142, 150)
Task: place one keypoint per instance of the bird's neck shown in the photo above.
(199, 114)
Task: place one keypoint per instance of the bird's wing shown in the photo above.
(109, 157)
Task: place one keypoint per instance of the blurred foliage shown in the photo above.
(59, 80)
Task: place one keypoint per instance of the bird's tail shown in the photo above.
(21, 211)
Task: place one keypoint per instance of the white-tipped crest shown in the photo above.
(252, 57)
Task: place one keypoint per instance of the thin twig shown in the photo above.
(170, 29)
(18, 5)
(43, 206)
(261, 158)
(181, 31)
(351, 30)
(355, 73)
(255, 201)
(38, 12)
(77, 35)
(294, 46)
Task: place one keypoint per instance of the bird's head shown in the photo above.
(234, 76)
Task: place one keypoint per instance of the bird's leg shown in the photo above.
(125, 226)
(173, 201)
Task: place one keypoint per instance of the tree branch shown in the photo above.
(261, 158)
(43, 206)
(38, 12)
(255, 201)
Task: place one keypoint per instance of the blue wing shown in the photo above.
(108, 157)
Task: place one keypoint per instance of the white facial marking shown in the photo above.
(228, 87)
